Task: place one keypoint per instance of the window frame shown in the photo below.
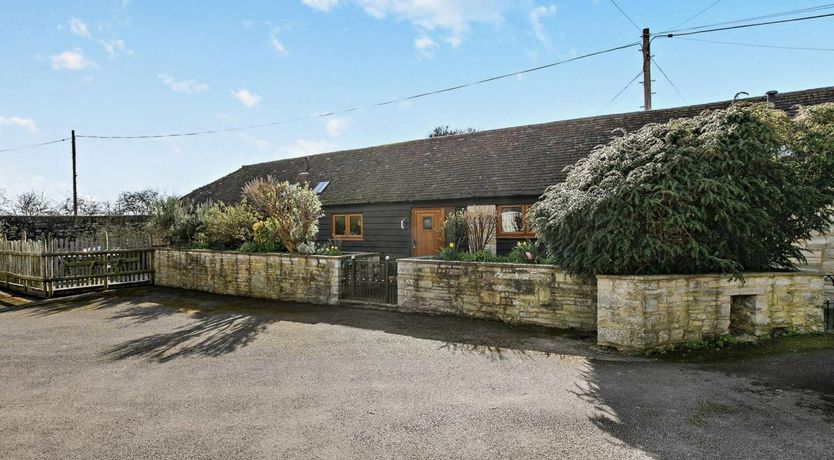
(347, 235)
(525, 231)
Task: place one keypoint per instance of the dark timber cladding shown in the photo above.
(501, 166)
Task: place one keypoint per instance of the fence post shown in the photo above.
(352, 287)
(106, 257)
(385, 280)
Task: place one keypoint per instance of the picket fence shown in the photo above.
(45, 268)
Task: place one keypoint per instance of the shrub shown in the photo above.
(480, 224)
(226, 227)
(725, 191)
(528, 252)
(174, 222)
(449, 252)
(454, 230)
(293, 211)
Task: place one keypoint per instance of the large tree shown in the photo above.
(726, 191)
(33, 204)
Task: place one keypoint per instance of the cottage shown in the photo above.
(393, 198)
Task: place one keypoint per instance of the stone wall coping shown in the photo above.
(345, 255)
(709, 275)
(431, 260)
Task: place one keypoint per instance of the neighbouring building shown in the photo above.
(393, 198)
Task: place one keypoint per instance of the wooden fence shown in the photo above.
(46, 268)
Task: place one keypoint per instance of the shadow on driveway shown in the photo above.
(222, 324)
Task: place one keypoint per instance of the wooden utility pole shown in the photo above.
(74, 180)
(647, 70)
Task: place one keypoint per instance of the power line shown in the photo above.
(10, 149)
(755, 45)
(624, 88)
(625, 14)
(744, 26)
(379, 104)
(697, 14)
(675, 87)
(755, 18)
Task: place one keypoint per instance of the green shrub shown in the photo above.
(528, 252)
(449, 252)
(292, 211)
(174, 222)
(225, 226)
(454, 230)
(725, 191)
(254, 246)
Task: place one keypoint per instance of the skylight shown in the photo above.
(321, 186)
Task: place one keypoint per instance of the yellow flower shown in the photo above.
(451, 245)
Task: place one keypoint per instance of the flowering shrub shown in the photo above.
(528, 252)
(292, 211)
(725, 191)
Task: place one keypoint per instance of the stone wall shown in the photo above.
(638, 313)
(288, 277)
(523, 294)
(38, 227)
(821, 257)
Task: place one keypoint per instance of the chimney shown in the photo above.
(771, 98)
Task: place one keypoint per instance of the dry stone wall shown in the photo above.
(637, 313)
(287, 277)
(39, 227)
(821, 257)
(523, 294)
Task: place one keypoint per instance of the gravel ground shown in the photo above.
(166, 373)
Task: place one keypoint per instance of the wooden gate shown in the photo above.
(58, 266)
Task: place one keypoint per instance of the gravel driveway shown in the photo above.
(166, 373)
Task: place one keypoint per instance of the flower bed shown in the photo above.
(280, 276)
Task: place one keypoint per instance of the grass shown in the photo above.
(731, 350)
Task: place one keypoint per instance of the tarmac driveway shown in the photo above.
(152, 372)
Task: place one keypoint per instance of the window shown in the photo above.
(512, 221)
(321, 186)
(347, 227)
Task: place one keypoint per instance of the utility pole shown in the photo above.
(74, 180)
(647, 70)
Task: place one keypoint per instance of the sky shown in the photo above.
(120, 67)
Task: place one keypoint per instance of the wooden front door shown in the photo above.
(426, 231)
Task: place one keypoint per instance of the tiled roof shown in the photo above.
(506, 162)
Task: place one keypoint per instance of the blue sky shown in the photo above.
(145, 67)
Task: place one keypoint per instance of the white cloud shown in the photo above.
(78, 27)
(335, 126)
(424, 43)
(321, 5)
(27, 123)
(451, 17)
(536, 15)
(182, 86)
(246, 98)
(71, 60)
(276, 44)
(115, 47)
